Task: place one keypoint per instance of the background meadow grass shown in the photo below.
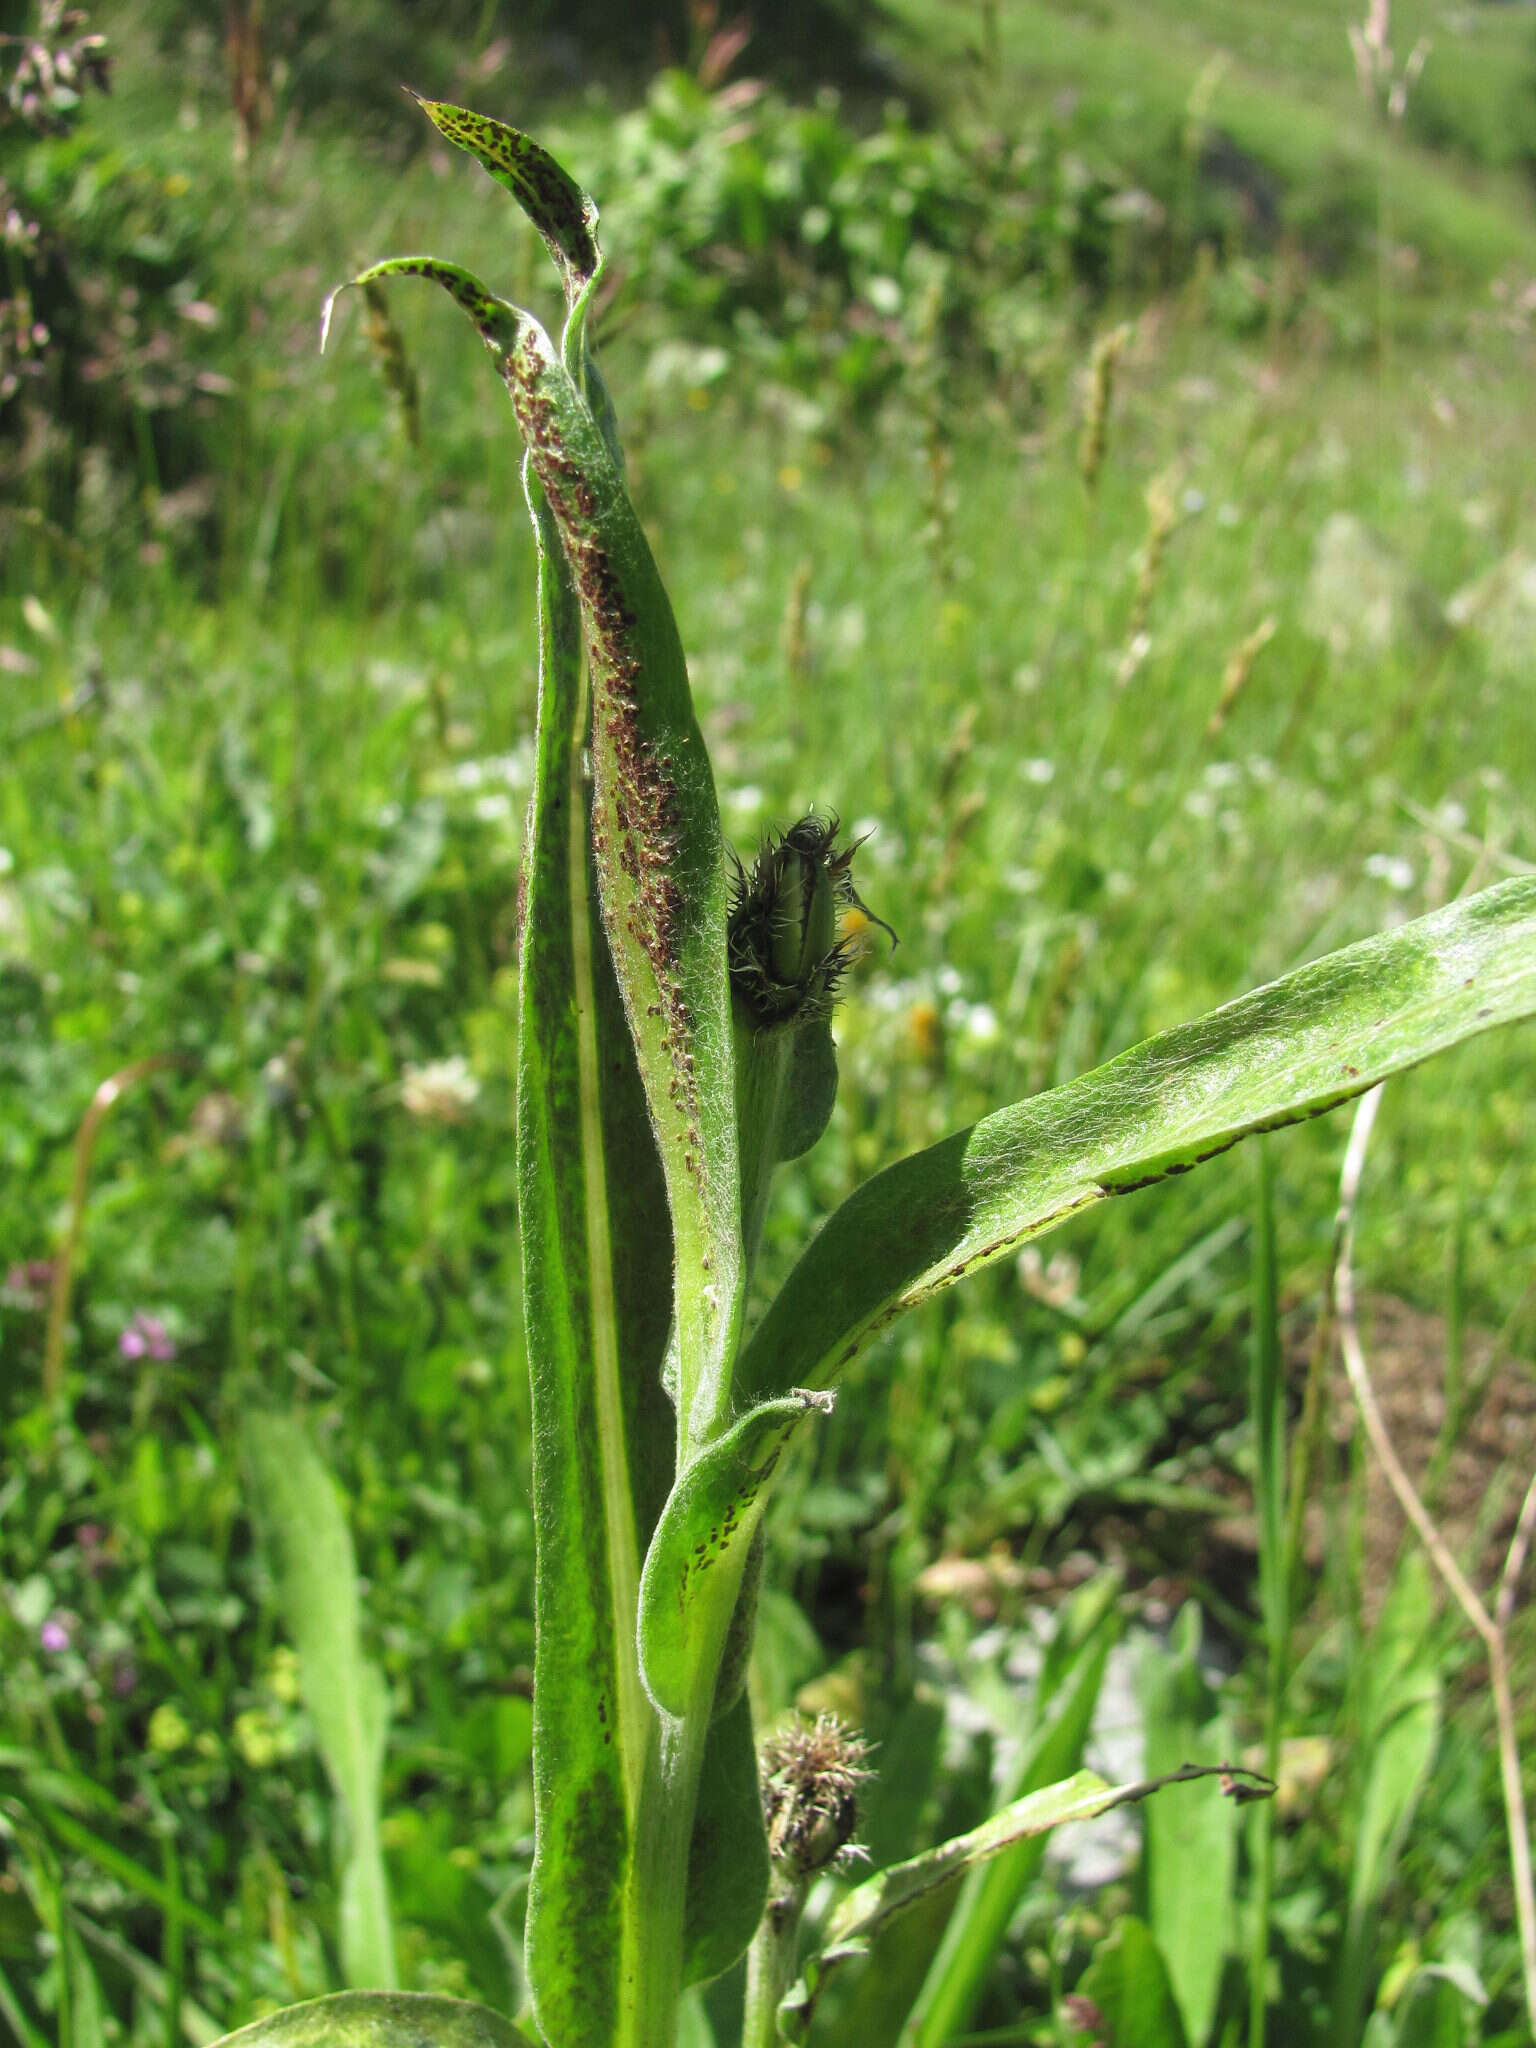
(267, 722)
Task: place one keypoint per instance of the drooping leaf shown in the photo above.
(315, 1572)
(379, 2019)
(1291, 1050)
(881, 1899)
(693, 1569)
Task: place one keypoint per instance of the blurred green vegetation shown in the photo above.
(1123, 751)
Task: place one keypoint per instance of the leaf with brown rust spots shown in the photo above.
(564, 215)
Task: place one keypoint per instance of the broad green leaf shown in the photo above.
(693, 1569)
(990, 1893)
(656, 830)
(379, 2019)
(593, 1245)
(315, 1575)
(1292, 1050)
(1127, 1981)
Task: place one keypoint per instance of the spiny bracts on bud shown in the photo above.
(786, 957)
(811, 1778)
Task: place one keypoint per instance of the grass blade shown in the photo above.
(1127, 1983)
(315, 1574)
(990, 1895)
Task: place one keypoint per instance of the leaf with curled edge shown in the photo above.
(699, 1552)
(1286, 1052)
(379, 2019)
(656, 830)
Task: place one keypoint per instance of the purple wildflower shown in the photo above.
(54, 1635)
(146, 1337)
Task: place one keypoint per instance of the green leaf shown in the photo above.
(656, 830)
(991, 1893)
(1292, 1050)
(873, 1905)
(379, 2019)
(1127, 1981)
(593, 1245)
(315, 1573)
(496, 321)
(693, 1569)
(564, 215)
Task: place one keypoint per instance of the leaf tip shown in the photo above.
(329, 308)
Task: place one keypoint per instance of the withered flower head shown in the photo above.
(786, 958)
(811, 1777)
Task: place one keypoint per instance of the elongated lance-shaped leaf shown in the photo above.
(379, 2019)
(656, 831)
(316, 1577)
(1291, 1050)
(564, 215)
(875, 1904)
(596, 1258)
(694, 1567)
(566, 218)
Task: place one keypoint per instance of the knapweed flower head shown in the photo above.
(147, 1337)
(811, 1777)
(54, 1635)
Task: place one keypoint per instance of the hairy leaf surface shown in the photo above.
(693, 1570)
(379, 2019)
(1291, 1050)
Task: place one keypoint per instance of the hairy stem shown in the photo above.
(771, 1962)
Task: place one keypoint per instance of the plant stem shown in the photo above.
(658, 1881)
(771, 1962)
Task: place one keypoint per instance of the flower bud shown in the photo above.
(811, 1779)
(785, 955)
